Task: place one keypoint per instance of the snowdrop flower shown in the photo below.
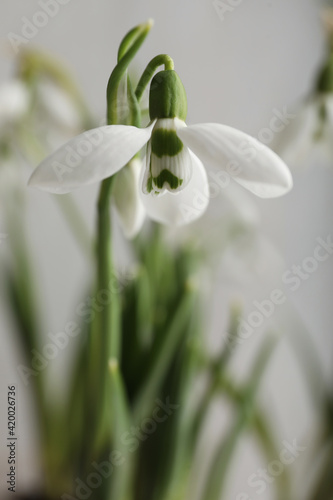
(309, 136)
(14, 104)
(14, 101)
(175, 186)
(58, 105)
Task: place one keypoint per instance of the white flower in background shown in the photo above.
(14, 101)
(175, 184)
(309, 136)
(58, 106)
(14, 104)
(13, 179)
(327, 19)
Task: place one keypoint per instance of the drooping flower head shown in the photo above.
(174, 184)
(169, 164)
(174, 177)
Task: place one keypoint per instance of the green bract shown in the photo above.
(167, 96)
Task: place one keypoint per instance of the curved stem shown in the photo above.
(150, 70)
(105, 330)
(135, 113)
(129, 40)
(126, 57)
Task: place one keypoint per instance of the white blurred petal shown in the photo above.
(14, 101)
(11, 178)
(308, 139)
(184, 206)
(90, 157)
(126, 196)
(58, 105)
(295, 142)
(251, 164)
(242, 205)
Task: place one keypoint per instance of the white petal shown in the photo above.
(248, 161)
(180, 166)
(126, 196)
(90, 157)
(184, 206)
(167, 171)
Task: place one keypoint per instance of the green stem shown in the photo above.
(105, 330)
(150, 70)
(106, 337)
(163, 357)
(269, 449)
(225, 451)
(130, 39)
(109, 347)
(127, 53)
(135, 113)
(121, 484)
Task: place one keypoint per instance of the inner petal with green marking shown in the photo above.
(169, 165)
